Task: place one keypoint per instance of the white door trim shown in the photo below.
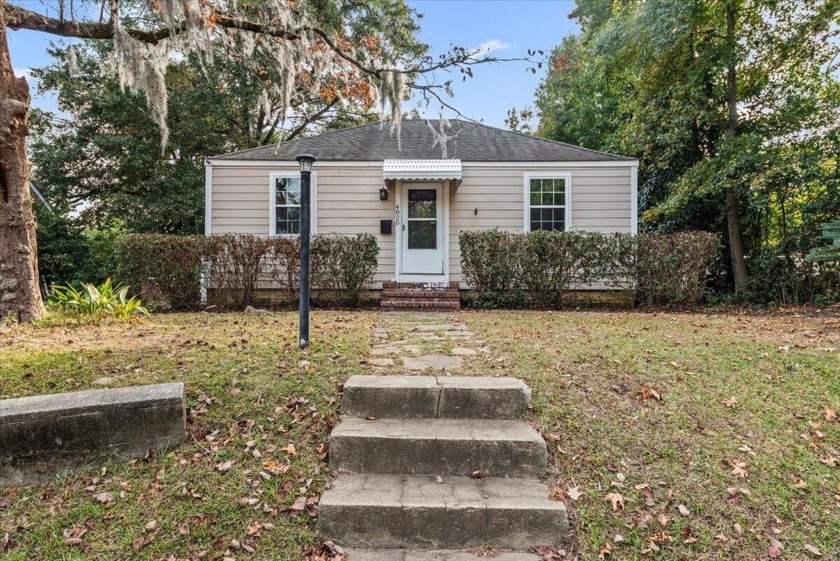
(399, 220)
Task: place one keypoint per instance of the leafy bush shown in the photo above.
(171, 264)
(539, 268)
(343, 267)
(69, 253)
(283, 265)
(488, 268)
(782, 276)
(673, 268)
(236, 266)
(830, 252)
(96, 302)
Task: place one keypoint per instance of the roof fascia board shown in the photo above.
(378, 164)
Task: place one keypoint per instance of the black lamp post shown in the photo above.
(306, 161)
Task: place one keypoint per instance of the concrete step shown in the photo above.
(445, 397)
(397, 511)
(434, 555)
(497, 448)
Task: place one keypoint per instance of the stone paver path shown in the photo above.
(407, 341)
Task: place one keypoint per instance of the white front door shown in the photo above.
(422, 229)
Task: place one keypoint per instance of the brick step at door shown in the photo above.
(411, 304)
(398, 511)
(408, 293)
(444, 397)
(458, 447)
(423, 285)
(433, 555)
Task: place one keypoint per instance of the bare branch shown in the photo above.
(309, 119)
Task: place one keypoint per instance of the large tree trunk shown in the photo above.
(20, 295)
(733, 217)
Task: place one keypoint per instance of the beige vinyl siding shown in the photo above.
(600, 201)
(348, 202)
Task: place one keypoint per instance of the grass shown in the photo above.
(734, 389)
(247, 389)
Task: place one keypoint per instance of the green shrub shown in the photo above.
(171, 264)
(343, 267)
(538, 269)
(782, 276)
(283, 265)
(489, 267)
(831, 251)
(236, 265)
(673, 269)
(96, 302)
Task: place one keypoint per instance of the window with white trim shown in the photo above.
(284, 201)
(547, 202)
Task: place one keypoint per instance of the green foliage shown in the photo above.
(95, 302)
(64, 254)
(786, 278)
(830, 252)
(70, 253)
(106, 159)
(343, 267)
(170, 264)
(673, 269)
(237, 266)
(539, 269)
(487, 268)
(650, 79)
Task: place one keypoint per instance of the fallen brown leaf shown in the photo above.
(813, 550)
(616, 500)
(604, 550)
(830, 461)
(739, 468)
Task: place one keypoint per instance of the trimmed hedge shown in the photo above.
(170, 263)
(238, 265)
(540, 268)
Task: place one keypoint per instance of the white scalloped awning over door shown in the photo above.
(422, 170)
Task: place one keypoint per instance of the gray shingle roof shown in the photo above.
(471, 142)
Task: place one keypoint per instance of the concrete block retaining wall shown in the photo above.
(45, 435)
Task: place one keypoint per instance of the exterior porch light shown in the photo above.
(383, 193)
(305, 161)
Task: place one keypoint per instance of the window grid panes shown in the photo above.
(287, 205)
(547, 198)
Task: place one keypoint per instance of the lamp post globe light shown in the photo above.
(305, 161)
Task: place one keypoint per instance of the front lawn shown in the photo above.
(728, 416)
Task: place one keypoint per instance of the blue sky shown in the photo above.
(511, 27)
(514, 26)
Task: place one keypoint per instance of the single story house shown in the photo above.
(417, 193)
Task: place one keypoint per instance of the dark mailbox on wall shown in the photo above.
(385, 226)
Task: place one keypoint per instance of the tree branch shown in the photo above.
(307, 120)
(21, 18)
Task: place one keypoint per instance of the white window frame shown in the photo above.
(526, 192)
(272, 201)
